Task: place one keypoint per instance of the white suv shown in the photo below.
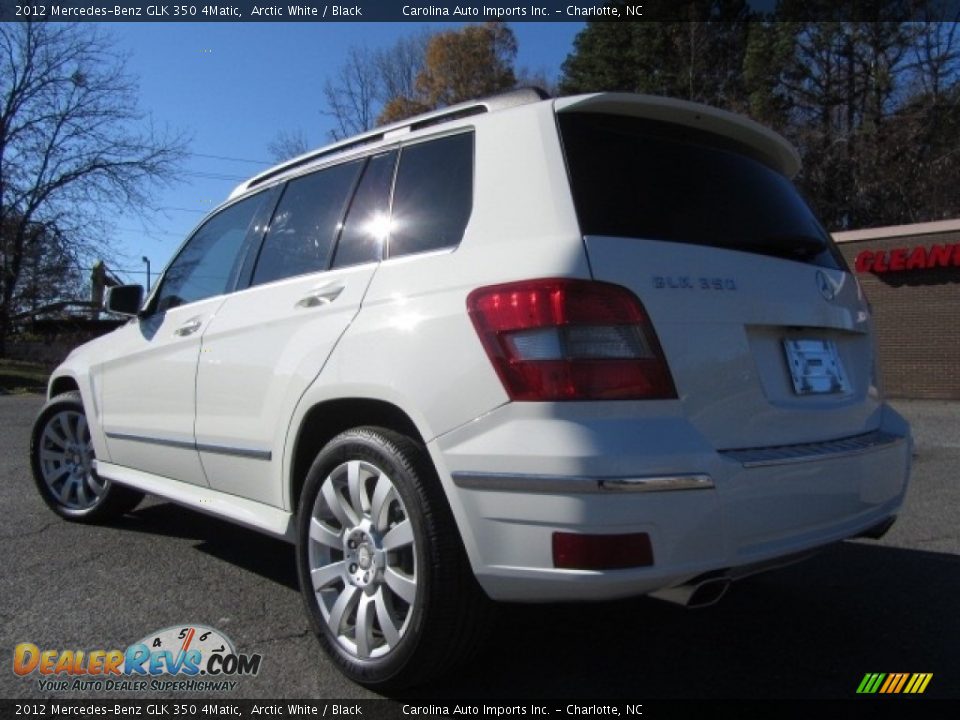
(520, 349)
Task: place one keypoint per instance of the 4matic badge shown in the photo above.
(183, 652)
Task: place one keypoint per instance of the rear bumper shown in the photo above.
(524, 472)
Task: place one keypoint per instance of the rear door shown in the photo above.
(765, 331)
(271, 340)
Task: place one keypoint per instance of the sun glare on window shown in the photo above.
(378, 227)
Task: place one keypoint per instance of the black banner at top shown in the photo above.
(467, 11)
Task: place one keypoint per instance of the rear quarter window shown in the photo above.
(433, 195)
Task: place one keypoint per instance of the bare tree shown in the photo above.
(362, 88)
(73, 145)
(459, 65)
(419, 73)
(937, 58)
(352, 94)
(48, 271)
(538, 78)
(399, 65)
(288, 144)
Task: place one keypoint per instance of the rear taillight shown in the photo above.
(559, 339)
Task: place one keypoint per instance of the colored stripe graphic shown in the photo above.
(894, 683)
(871, 683)
(899, 686)
(921, 685)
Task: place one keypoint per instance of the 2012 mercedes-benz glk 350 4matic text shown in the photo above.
(518, 349)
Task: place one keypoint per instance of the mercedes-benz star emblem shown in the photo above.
(825, 287)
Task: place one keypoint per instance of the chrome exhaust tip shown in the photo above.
(709, 593)
(697, 593)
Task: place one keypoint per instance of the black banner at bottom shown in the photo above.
(412, 709)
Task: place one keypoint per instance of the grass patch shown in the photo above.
(22, 377)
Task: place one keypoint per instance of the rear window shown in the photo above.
(305, 224)
(646, 179)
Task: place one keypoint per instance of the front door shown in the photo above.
(148, 379)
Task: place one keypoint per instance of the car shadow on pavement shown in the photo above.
(809, 630)
(268, 557)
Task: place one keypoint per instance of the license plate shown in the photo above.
(815, 367)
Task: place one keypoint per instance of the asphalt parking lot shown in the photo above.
(808, 631)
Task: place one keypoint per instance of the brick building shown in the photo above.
(911, 275)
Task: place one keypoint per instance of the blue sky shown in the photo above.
(232, 86)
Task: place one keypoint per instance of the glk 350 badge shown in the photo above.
(689, 282)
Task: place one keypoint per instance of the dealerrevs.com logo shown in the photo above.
(182, 658)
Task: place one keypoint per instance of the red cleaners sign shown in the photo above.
(900, 259)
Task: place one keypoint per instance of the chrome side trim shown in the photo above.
(199, 447)
(811, 452)
(239, 452)
(564, 484)
(182, 444)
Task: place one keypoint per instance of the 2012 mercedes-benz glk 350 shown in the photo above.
(519, 349)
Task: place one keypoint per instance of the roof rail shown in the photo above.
(500, 101)
(307, 158)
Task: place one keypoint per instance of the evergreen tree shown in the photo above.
(697, 57)
(870, 97)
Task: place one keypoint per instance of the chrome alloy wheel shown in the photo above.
(362, 559)
(67, 461)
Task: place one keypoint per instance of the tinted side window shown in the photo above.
(304, 227)
(433, 195)
(368, 220)
(208, 263)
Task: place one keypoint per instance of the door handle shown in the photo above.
(189, 327)
(323, 295)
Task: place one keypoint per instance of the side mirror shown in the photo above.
(124, 299)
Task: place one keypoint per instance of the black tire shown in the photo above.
(69, 485)
(449, 612)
